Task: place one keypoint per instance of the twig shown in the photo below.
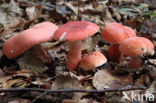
(34, 100)
(48, 98)
(73, 90)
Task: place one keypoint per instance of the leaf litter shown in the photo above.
(31, 71)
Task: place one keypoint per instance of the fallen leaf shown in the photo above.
(142, 80)
(32, 12)
(102, 79)
(19, 82)
(152, 61)
(147, 29)
(29, 61)
(37, 82)
(59, 53)
(67, 82)
(19, 100)
(69, 5)
(18, 79)
(9, 14)
(88, 44)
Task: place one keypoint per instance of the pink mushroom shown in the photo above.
(92, 60)
(74, 32)
(19, 43)
(136, 47)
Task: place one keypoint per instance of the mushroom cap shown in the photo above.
(24, 40)
(75, 30)
(136, 46)
(92, 60)
(116, 32)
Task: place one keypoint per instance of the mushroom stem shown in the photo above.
(135, 62)
(74, 55)
(114, 53)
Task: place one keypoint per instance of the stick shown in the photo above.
(73, 90)
(34, 100)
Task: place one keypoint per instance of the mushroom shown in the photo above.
(74, 32)
(115, 33)
(92, 60)
(136, 47)
(19, 43)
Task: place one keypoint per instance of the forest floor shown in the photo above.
(27, 79)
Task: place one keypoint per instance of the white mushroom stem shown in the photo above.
(135, 62)
(74, 55)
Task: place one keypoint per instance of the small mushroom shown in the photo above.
(74, 32)
(19, 43)
(115, 33)
(136, 47)
(92, 60)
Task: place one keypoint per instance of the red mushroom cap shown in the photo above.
(75, 30)
(136, 46)
(22, 41)
(92, 60)
(115, 32)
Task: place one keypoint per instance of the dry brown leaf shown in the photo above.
(148, 29)
(1, 73)
(85, 100)
(153, 61)
(29, 61)
(32, 12)
(103, 79)
(19, 100)
(152, 88)
(142, 79)
(69, 5)
(3, 81)
(9, 14)
(88, 44)
(126, 79)
(67, 101)
(67, 82)
(19, 79)
(19, 82)
(37, 82)
(59, 53)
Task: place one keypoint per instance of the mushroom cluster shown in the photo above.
(122, 38)
(124, 42)
(115, 33)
